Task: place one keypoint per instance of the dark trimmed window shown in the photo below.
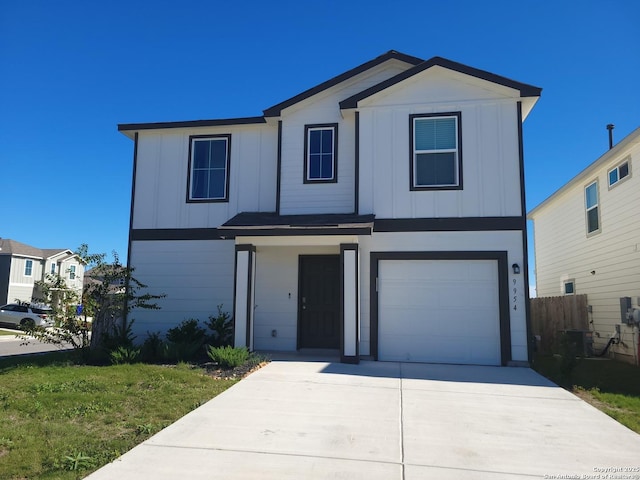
(209, 168)
(321, 153)
(436, 151)
(592, 209)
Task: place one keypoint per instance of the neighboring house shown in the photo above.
(587, 241)
(114, 274)
(380, 213)
(21, 266)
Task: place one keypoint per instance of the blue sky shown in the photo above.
(71, 71)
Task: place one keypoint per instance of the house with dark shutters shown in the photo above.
(380, 214)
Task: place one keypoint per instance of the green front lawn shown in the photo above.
(610, 386)
(60, 420)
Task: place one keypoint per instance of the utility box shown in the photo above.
(582, 340)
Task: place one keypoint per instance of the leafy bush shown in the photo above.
(152, 348)
(188, 331)
(124, 355)
(228, 357)
(185, 340)
(221, 327)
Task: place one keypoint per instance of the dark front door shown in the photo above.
(319, 302)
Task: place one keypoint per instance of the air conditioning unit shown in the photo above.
(583, 341)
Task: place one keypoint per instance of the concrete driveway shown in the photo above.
(376, 420)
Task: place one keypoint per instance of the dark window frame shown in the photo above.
(412, 186)
(321, 126)
(192, 140)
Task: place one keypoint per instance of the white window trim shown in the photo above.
(72, 272)
(52, 270)
(571, 281)
(30, 274)
(588, 209)
(617, 168)
(458, 151)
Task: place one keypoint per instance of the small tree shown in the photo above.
(110, 295)
(67, 330)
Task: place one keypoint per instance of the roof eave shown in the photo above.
(630, 140)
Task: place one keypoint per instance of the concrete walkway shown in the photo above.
(376, 420)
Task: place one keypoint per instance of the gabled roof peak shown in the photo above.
(275, 110)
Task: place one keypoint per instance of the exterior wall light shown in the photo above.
(516, 268)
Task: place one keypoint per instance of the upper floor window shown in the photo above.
(53, 268)
(591, 203)
(321, 153)
(28, 268)
(72, 272)
(618, 173)
(436, 151)
(209, 168)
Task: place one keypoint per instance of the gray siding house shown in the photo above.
(21, 266)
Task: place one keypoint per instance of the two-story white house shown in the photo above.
(22, 266)
(587, 241)
(380, 213)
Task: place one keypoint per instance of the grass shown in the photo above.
(613, 387)
(6, 332)
(60, 420)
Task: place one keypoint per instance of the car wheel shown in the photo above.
(27, 323)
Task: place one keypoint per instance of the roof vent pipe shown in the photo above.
(610, 127)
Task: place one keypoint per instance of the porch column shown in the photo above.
(349, 304)
(244, 296)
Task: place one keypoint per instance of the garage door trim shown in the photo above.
(503, 289)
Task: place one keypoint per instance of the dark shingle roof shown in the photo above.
(11, 247)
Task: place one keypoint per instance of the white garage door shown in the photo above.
(439, 311)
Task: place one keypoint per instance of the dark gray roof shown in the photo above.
(391, 54)
(255, 220)
(12, 247)
(525, 90)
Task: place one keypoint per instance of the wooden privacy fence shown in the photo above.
(552, 315)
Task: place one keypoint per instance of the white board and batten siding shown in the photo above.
(564, 250)
(298, 197)
(162, 173)
(276, 294)
(509, 241)
(490, 152)
(196, 276)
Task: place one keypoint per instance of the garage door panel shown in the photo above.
(441, 311)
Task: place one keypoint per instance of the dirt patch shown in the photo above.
(589, 398)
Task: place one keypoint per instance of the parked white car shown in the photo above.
(25, 315)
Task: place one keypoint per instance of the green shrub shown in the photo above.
(188, 331)
(221, 327)
(185, 341)
(228, 357)
(123, 355)
(152, 348)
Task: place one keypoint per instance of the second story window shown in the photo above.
(591, 204)
(209, 168)
(53, 268)
(28, 268)
(72, 272)
(618, 173)
(436, 151)
(320, 153)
